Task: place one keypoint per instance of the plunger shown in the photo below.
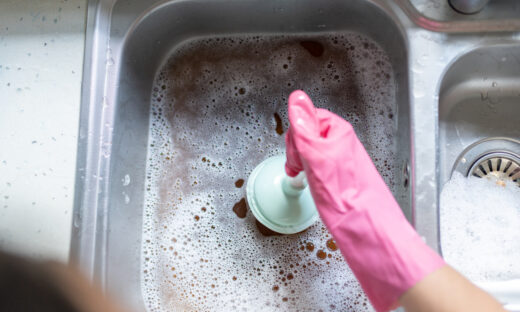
(281, 203)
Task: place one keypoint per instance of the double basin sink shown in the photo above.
(419, 91)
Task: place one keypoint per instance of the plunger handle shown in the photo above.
(294, 186)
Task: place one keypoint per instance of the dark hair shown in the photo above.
(27, 285)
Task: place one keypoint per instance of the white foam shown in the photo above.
(211, 124)
(480, 228)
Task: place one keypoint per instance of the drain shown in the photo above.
(496, 159)
(499, 167)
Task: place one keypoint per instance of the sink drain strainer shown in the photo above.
(496, 159)
(498, 167)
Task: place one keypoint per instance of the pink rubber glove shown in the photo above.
(383, 250)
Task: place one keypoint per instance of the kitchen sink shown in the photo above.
(182, 99)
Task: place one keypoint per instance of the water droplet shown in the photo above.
(127, 198)
(126, 180)
(418, 92)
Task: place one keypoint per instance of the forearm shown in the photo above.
(447, 290)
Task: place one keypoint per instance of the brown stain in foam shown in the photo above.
(279, 124)
(313, 47)
(239, 183)
(321, 254)
(240, 208)
(264, 230)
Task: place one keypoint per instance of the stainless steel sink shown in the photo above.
(436, 74)
(479, 99)
(479, 114)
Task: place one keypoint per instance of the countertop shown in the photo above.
(41, 59)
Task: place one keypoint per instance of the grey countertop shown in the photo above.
(41, 58)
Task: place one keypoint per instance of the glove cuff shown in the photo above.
(388, 259)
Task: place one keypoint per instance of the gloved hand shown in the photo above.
(383, 250)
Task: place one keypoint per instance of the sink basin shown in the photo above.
(218, 109)
(479, 99)
(181, 99)
(478, 136)
(196, 106)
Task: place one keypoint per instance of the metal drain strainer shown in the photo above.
(498, 167)
(496, 159)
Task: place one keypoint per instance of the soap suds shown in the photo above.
(480, 228)
(219, 107)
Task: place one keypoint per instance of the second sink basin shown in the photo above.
(479, 136)
(479, 99)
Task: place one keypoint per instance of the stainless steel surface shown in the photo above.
(440, 10)
(468, 6)
(457, 83)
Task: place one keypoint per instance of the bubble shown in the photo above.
(126, 180)
(331, 245)
(321, 254)
(127, 198)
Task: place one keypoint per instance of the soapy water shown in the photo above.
(480, 228)
(219, 107)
